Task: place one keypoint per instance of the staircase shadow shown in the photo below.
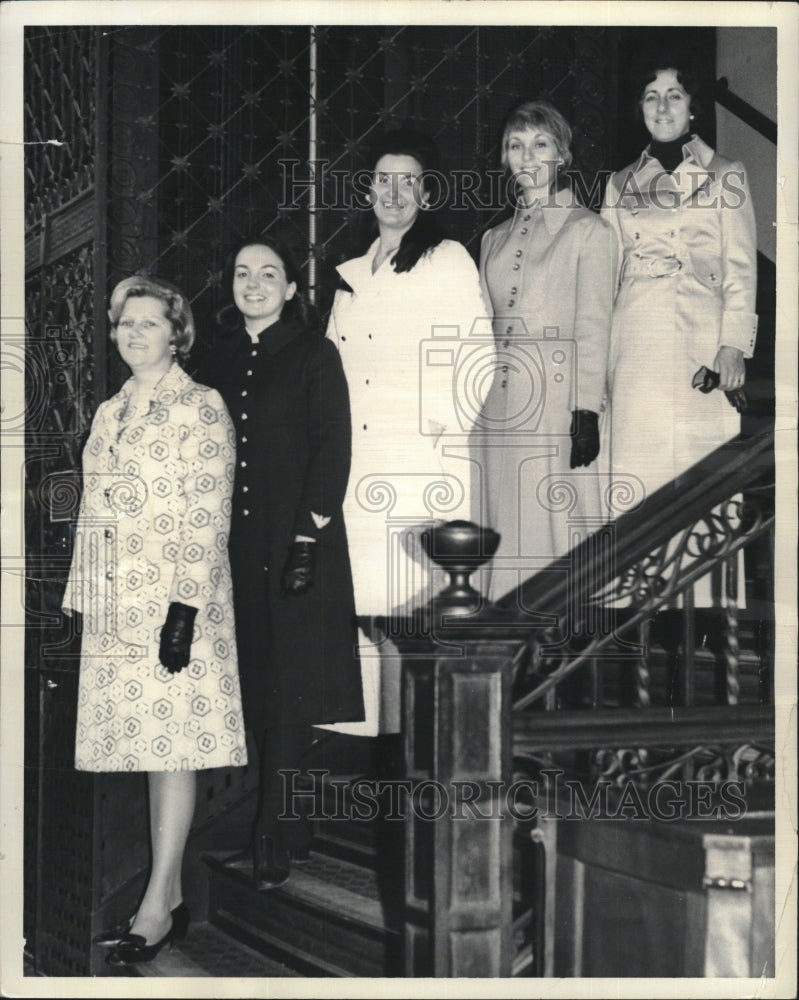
(375, 765)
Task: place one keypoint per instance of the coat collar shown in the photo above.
(555, 210)
(166, 391)
(272, 339)
(171, 383)
(695, 151)
(691, 175)
(358, 271)
(275, 337)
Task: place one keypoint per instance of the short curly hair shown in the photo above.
(685, 70)
(176, 309)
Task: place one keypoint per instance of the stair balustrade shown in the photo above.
(573, 674)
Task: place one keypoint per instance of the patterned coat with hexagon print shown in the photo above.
(153, 528)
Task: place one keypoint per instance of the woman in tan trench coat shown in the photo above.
(548, 273)
(685, 306)
(686, 296)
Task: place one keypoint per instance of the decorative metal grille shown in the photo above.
(210, 130)
(59, 115)
(59, 364)
(66, 888)
(199, 120)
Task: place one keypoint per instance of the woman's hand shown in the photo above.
(585, 437)
(300, 568)
(176, 635)
(729, 364)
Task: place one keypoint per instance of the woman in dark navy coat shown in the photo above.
(285, 388)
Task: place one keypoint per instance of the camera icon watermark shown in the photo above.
(486, 383)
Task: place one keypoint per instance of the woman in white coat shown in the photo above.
(159, 687)
(684, 317)
(402, 320)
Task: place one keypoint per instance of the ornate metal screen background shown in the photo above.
(210, 128)
(152, 149)
(61, 365)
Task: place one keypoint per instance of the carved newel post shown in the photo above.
(456, 721)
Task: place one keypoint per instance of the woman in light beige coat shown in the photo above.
(548, 273)
(684, 317)
(686, 293)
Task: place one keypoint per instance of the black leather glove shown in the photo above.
(706, 380)
(175, 648)
(298, 573)
(585, 437)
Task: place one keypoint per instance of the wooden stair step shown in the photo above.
(207, 951)
(327, 920)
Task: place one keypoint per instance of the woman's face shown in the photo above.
(144, 335)
(666, 107)
(396, 191)
(533, 160)
(260, 286)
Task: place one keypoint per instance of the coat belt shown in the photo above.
(652, 267)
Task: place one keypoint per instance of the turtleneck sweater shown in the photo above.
(669, 153)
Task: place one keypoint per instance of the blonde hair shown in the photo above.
(541, 116)
(177, 309)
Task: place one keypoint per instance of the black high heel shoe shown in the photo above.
(270, 867)
(133, 948)
(110, 938)
(181, 918)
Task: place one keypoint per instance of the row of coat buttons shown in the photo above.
(109, 534)
(518, 253)
(243, 464)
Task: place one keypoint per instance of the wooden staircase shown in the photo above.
(615, 681)
(704, 691)
(339, 915)
(327, 920)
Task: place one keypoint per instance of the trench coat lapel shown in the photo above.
(692, 176)
(695, 173)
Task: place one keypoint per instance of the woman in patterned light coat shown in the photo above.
(159, 686)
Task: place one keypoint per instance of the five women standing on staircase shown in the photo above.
(161, 486)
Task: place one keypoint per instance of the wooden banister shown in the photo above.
(744, 110)
(460, 726)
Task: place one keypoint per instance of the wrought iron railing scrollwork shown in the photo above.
(660, 550)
